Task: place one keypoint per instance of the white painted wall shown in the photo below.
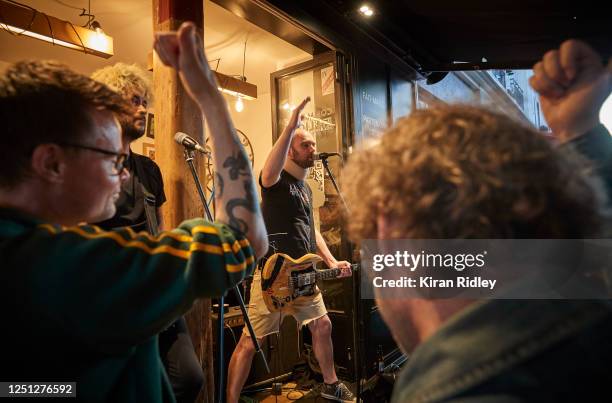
(255, 121)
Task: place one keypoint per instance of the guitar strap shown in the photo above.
(150, 212)
(265, 284)
(313, 237)
(149, 201)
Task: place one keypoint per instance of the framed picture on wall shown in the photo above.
(150, 126)
(148, 149)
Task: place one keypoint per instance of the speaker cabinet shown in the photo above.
(282, 351)
(362, 341)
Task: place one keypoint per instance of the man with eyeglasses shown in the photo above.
(85, 305)
(138, 207)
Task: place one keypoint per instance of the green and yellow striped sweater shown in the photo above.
(85, 305)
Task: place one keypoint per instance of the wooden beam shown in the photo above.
(175, 111)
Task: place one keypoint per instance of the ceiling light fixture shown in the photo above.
(236, 87)
(366, 10)
(19, 19)
(239, 104)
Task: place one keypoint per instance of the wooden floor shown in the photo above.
(289, 395)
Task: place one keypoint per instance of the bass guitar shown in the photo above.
(283, 279)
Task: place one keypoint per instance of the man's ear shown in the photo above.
(49, 163)
(383, 230)
(387, 226)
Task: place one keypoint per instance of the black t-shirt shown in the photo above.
(287, 208)
(130, 205)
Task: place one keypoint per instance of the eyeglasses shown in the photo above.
(138, 101)
(120, 158)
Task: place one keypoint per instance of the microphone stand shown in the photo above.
(189, 156)
(331, 176)
(356, 282)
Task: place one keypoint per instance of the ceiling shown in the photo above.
(431, 35)
(436, 34)
(129, 22)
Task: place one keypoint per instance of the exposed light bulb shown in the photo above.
(95, 25)
(98, 41)
(239, 105)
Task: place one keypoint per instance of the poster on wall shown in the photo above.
(150, 126)
(327, 80)
(148, 150)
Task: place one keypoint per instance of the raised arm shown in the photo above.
(573, 84)
(270, 174)
(236, 195)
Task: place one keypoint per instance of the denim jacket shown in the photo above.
(514, 351)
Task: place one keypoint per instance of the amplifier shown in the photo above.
(232, 318)
(282, 352)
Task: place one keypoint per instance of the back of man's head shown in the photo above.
(46, 102)
(465, 172)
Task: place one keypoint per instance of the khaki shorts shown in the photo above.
(304, 309)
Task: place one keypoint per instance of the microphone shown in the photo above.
(189, 142)
(324, 156)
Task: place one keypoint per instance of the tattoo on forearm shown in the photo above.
(238, 165)
(249, 203)
(219, 185)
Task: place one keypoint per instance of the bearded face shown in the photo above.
(303, 148)
(134, 126)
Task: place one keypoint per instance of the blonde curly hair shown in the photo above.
(465, 172)
(125, 78)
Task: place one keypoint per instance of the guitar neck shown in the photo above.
(327, 274)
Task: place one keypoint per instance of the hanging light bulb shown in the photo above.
(98, 40)
(239, 104)
(95, 25)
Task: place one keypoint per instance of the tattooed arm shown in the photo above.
(236, 198)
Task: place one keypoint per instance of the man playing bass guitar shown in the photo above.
(287, 209)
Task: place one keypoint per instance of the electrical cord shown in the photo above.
(69, 5)
(232, 333)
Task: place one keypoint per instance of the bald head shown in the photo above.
(303, 147)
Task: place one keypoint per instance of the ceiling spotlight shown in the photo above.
(366, 10)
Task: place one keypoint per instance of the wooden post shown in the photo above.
(174, 111)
